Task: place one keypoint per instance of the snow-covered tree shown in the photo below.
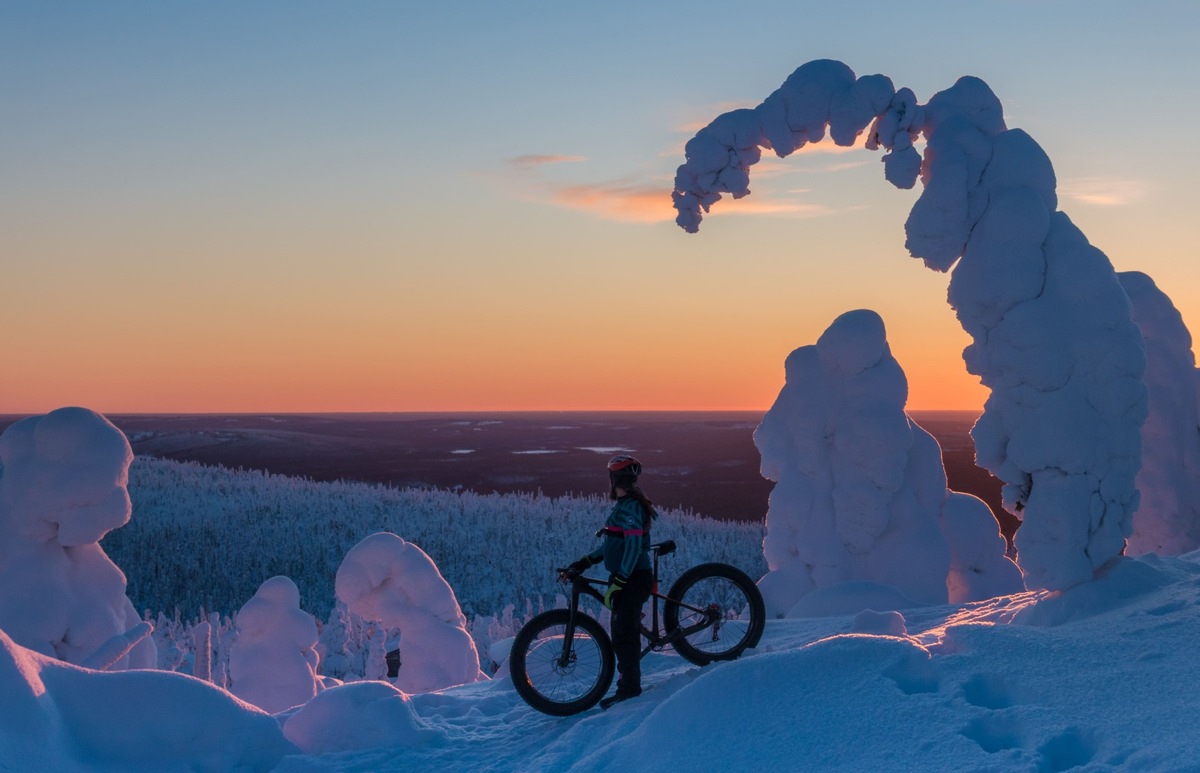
(273, 661)
(860, 490)
(1168, 519)
(1052, 334)
(979, 566)
(235, 527)
(387, 579)
(63, 488)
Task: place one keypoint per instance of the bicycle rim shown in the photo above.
(558, 685)
(734, 617)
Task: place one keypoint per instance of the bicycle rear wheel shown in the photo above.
(558, 683)
(724, 595)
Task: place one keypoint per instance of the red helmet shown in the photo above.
(624, 467)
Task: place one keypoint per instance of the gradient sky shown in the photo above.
(367, 206)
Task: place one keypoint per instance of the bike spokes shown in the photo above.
(716, 613)
(560, 673)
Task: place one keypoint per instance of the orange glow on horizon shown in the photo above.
(280, 384)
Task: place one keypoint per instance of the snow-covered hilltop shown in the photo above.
(1100, 676)
(900, 637)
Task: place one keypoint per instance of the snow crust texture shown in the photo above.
(860, 492)
(63, 487)
(1051, 328)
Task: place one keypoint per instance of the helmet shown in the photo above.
(623, 468)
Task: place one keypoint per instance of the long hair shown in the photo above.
(635, 491)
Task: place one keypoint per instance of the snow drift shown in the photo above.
(55, 716)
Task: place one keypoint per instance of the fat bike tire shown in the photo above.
(736, 604)
(551, 684)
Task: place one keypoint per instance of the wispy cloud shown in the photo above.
(638, 200)
(848, 165)
(618, 201)
(645, 204)
(535, 160)
(1104, 191)
(691, 125)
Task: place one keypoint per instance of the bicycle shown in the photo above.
(562, 661)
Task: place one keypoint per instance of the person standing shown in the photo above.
(625, 553)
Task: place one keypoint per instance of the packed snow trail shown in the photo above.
(1095, 676)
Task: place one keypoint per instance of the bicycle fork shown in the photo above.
(568, 653)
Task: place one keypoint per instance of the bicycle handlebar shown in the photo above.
(664, 548)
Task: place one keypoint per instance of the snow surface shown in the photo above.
(860, 491)
(1099, 677)
(1052, 334)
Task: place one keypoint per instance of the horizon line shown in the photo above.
(468, 411)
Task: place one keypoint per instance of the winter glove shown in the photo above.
(579, 567)
(616, 583)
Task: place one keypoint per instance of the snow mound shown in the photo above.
(65, 718)
(979, 568)
(355, 716)
(738, 713)
(1118, 588)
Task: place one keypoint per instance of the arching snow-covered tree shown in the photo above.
(63, 487)
(1052, 335)
(387, 579)
(1168, 519)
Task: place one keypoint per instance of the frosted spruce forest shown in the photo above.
(902, 635)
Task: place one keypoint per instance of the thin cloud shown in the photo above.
(1103, 191)
(536, 160)
(693, 125)
(847, 165)
(633, 200)
(618, 201)
(645, 204)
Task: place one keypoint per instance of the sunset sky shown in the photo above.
(400, 206)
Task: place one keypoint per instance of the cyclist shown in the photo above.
(625, 553)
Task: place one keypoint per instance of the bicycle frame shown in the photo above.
(656, 639)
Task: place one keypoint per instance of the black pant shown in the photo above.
(626, 630)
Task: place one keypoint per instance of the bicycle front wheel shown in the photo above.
(724, 597)
(557, 678)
